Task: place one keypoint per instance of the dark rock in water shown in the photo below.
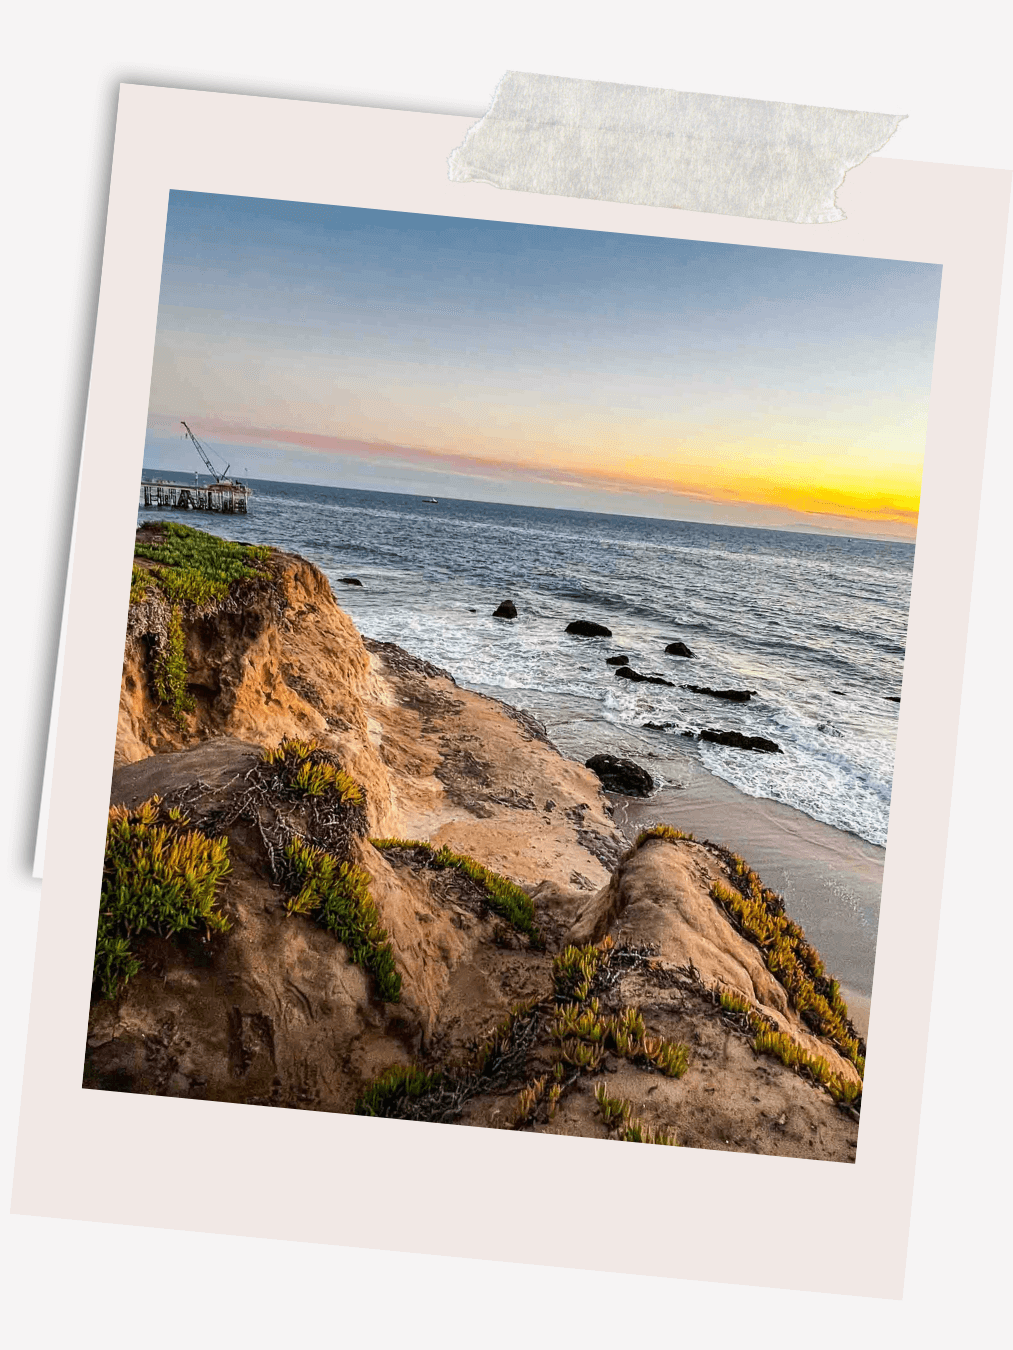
(617, 660)
(659, 726)
(585, 628)
(628, 673)
(740, 742)
(507, 610)
(839, 692)
(621, 775)
(893, 698)
(472, 611)
(350, 581)
(677, 649)
(732, 695)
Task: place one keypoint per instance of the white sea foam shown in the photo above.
(815, 625)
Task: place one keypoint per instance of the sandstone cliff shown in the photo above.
(642, 976)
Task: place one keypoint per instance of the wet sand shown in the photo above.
(831, 881)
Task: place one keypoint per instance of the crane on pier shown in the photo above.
(218, 477)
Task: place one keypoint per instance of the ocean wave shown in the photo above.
(815, 625)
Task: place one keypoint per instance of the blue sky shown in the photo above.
(556, 367)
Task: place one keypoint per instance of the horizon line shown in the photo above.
(577, 510)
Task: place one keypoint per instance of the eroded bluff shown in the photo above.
(550, 977)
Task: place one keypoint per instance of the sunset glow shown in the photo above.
(553, 367)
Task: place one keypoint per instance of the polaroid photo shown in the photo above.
(501, 716)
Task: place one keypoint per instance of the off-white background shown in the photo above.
(83, 1282)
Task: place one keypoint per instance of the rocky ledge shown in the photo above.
(729, 695)
(738, 741)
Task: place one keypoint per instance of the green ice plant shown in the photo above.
(790, 958)
(337, 896)
(309, 771)
(196, 568)
(393, 1087)
(194, 573)
(503, 896)
(158, 877)
(171, 669)
(617, 1114)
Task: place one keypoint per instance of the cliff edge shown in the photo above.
(395, 896)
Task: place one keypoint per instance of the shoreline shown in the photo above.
(831, 879)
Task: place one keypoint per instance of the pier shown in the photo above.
(227, 497)
(223, 494)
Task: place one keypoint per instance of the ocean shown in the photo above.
(814, 624)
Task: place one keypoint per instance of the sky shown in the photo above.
(543, 366)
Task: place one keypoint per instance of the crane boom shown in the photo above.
(218, 477)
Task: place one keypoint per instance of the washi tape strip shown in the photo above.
(659, 147)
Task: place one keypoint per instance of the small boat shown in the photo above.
(433, 501)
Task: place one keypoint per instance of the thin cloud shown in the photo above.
(823, 504)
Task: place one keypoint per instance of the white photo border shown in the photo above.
(537, 1199)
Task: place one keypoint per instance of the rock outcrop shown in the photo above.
(628, 673)
(729, 695)
(587, 628)
(621, 775)
(279, 659)
(617, 660)
(738, 741)
(677, 649)
(506, 609)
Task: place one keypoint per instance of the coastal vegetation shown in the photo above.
(195, 568)
(617, 1114)
(193, 575)
(395, 1086)
(668, 832)
(575, 968)
(790, 958)
(504, 1039)
(502, 896)
(158, 877)
(769, 1040)
(528, 1100)
(581, 1033)
(411, 1091)
(306, 769)
(733, 1003)
(569, 1030)
(171, 671)
(140, 580)
(336, 894)
(758, 913)
(584, 1037)
(584, 1034)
